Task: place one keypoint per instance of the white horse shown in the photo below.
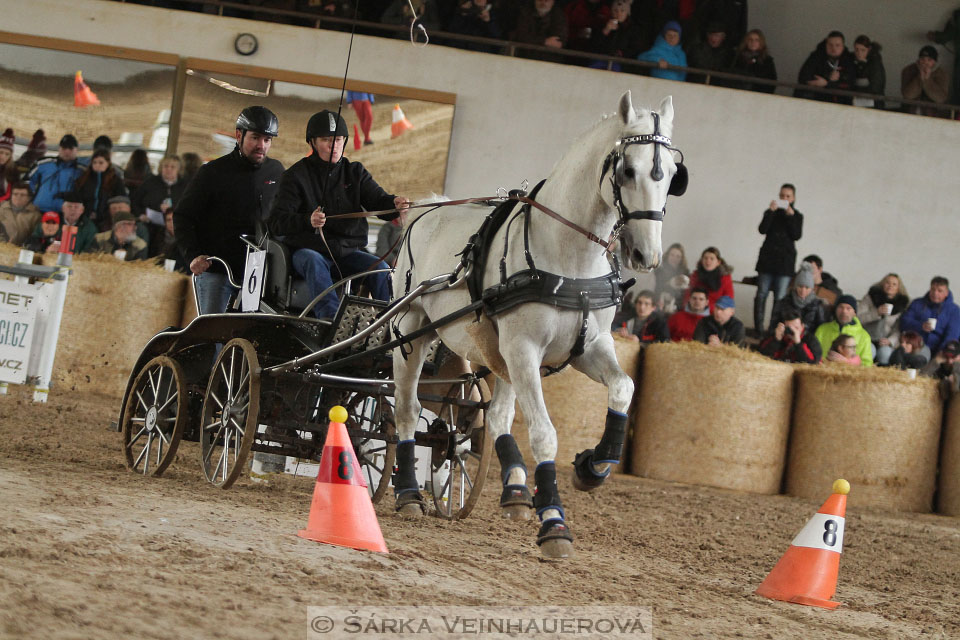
(621, 169)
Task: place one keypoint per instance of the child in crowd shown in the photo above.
(844, 350)
(46, 238)
(912, 352)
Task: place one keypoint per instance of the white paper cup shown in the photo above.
(933, 323)
(120, 254)
(169, 265)
(912, 373)
(886, 309)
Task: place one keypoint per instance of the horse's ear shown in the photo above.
(666, 109)
(627, 114)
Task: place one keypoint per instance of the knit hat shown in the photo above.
(672, 25)
(51, 216)
(39, 141)
(123, 216)
(724, 302)
(929, 52)
(7, 140)
(804, 276)
(35, 150)
(847, 299)
(69, 141)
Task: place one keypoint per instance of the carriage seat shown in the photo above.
(283, 291)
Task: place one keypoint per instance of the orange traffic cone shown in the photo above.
(82, 95)
(807, 572)
(356, 139)
(400, 122)
(341, 512)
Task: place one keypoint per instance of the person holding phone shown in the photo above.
(781, 226)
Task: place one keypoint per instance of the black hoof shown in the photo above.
(584, 477)
(411, 503)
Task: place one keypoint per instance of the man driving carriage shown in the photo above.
(325, 184)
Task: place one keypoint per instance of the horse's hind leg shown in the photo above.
(406, 373)
(599, 361)
(554, 538)
(515, 500)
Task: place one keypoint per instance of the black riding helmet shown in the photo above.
(326, 124)
(259, 120)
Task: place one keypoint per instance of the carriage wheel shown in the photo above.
(154, 415)
(231, 407)
(376, 453)
(459, 468)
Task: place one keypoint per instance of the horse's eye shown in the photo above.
(629, 173)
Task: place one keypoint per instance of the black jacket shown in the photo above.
(778, 255)
(807, 351)
(153, 192)
(731, 333)
(819, 64)
(228, 197)
(812, 313)
(751, 64)
(344, 187)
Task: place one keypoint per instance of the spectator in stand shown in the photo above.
(782, 226)
(170, 249)
(46, 238)
(846, 323)
(721, 327)
(51, 177)
(388, 239)
(137, 170)
(101, 143)
(191, 163)
(683, 323)
(712, 54)
(934, 316)
(666, 51)
(912, 353)
(398, 12)
(36, 149)
(830, 66)
(732, 14)
(673, 274)
(825, 286)
(791, 342)
(802, 300)
(156, 195)
(18, 216)
(8, 169)
(583, 18)
(924, 80)
(951, 34)
(97, 185)
(542, 23)
(945, 367)
(117, 204)
(879, 312)
(362, 104)
(619, 36)
(476, 18)
(712, 275)
(870, 74)
(753, 59)
(645, 323)
(73, 214)
(122, 238)
(844, 351)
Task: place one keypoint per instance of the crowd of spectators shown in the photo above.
(709, 35)
(125, 211)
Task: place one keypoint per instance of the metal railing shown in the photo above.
(520, 49)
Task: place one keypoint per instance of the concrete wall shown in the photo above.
(875, 187)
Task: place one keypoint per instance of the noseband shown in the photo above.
(616, 161)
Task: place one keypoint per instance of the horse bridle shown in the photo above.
(616, 160)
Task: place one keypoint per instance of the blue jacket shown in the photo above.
(673, 55)
(948, 321)
(50, 179)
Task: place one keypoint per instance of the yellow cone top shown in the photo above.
(339, 414)
(841, 486)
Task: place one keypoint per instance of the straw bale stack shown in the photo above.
(189, 305)
(948, 502)
(578, 409)
(112, 309)
(714, 416)
(8, 253)
(875, 427)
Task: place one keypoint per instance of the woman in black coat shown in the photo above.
(782, 226)
(753, 59)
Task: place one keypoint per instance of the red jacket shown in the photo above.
(806, 351)
(682, 324)
(726, 289)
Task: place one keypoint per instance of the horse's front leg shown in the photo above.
(406, 373)
(523, 362)
(515, 500)
(599, 362)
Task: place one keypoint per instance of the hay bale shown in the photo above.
(948, 501)
(578, 409)
(189, 304)
(875, 427)
(714, 416)
(112, 309)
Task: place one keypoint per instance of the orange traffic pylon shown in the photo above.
(400, 122)
(356, 139)
(341, 512)
(807, 572)
(82, 95)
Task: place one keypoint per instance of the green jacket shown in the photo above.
(830, 331)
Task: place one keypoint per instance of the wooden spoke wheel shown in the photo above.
(154, 415)
(231, 407)
(376, 449)
(459, 465)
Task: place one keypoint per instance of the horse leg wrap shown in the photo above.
(510, 458)
(608, 451)
(546, 499)
(405, 487)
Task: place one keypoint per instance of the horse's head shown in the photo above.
(639, 173)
